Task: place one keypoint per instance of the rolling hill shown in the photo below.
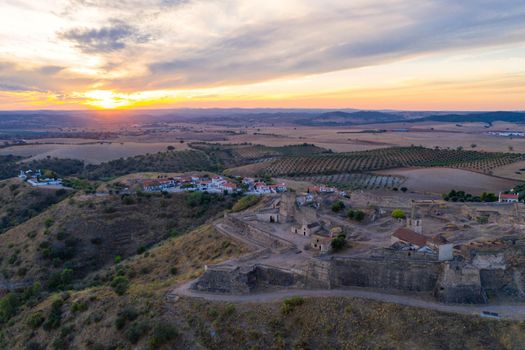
(339, 118)
(487, 117)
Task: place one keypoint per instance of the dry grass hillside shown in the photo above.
(134, 313)
(87, 232)
(139, 317)
(98, 317)
(20, 202)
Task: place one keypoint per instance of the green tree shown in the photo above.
(338, 206)
(9, 305)
(120, 284)
(398, 214)
(338, 243)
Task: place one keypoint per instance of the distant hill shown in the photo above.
(345, 118)
(486, 117)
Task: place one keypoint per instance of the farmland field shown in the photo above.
(93, 153)
(401, 157)
(442, 180)
(356, 181)
(512, 171)
(427, 134)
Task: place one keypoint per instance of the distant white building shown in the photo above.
(508, 198)
(34, 178)
(45, 182)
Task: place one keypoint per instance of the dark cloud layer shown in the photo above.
(106, 39)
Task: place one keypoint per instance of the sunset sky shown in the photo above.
(368, 54)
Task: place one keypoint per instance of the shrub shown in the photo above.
(338, 243)
(356, 215)
(118, 259)
(125, 315)
(338, 206)
(136, 331)
(33, 346)
(163, 332)
(173, 270)
(35, 320)
(290, 304)
(55, 315)
(60, 280)
(482, 220)
(9, 305)
(109, 210)
(245, 202)
(398, 214)
(79, 306)
(128, 200)
(49, 222)
(120, 284)
(174, 232)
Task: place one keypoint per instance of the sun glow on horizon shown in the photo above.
(256, 54)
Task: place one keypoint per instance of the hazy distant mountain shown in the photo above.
(344, 118)
(486, 117)
(23, 120)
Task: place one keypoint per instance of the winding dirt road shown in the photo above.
(504, 311)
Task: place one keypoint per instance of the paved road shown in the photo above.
(505, 311)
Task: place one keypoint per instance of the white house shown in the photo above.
(261, 187)
(277, 188)
(508, 198)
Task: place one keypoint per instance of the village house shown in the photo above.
(157, 185)
(228, 187)
(322, 189)
(44, 182)
(508, 198)
(248, 181)
(304, 199)
(261, 187)
(278, 188)
(34, 178)
(217, 181)
(409, 237)
(307, 230)
(321, 242)
(442, 246)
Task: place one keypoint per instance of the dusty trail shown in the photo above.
(504, 311)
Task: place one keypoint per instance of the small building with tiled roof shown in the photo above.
(508, 198)
(408, 236)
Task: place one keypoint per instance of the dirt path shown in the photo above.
(505, 311)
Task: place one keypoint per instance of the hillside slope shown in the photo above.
(141, 317)
(487, 117)
(88, 232)
(20, 202)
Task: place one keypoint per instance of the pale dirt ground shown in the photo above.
(90, 153)
(509, 171)
(442, 180)
(338, 139)
(346, 139)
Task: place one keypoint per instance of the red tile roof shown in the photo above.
(406, 235)
(509, 196)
